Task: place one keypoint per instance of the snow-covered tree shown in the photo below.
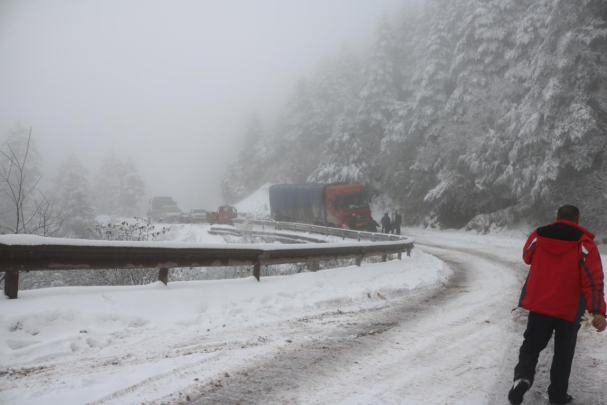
(118, 187)
(344, 159)
(381, 81)
(20, 165)
(25, 208)
(245, 175)
(488, 111)
(73, 195)
(108, 186)
(133, 189)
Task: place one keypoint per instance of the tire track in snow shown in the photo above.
(366, 357)
(292, 371)
(586, 383)
(471, 348)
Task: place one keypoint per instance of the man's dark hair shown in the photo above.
(568, 213)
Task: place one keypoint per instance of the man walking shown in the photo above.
(565, 278)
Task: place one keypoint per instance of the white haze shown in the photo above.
(169, 83)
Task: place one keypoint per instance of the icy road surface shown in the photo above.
(456, 345)
(314, 338)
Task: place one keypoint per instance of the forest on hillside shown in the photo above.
(464, 113)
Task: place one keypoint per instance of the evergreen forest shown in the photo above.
(463, 113)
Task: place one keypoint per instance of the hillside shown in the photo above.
(467, 112)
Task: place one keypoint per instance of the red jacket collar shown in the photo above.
(573, 224)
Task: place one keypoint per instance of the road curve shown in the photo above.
(457, 345)
(451, 343)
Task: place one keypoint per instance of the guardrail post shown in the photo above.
(11, 284)
(359, 236)
(257, 270)
(373, 237)
(313, 265)
(163, 275)
(359, 260)
(400, 255)
(384, 258)
(343, 234)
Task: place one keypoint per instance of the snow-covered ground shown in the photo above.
(83, 344)
(443, 335)
(257, 205)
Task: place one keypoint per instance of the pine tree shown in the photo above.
(132, 190)
(294, 145)
(347, 84)
(109, 186)
(473, 111)
(344, 159)
(246, 174)
(73, 196)
(379, 88)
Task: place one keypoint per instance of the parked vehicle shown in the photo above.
(156, 212)
(198, 215)
(224, 215)
(336, 205)
(170, 214)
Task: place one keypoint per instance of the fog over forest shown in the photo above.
(170, 84)
(469, 114)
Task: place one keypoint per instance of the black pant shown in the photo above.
(538, 334)
(397, 229)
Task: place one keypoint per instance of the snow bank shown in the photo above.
(33, 240)
(96, 341)
(46, 323)
(257, 205)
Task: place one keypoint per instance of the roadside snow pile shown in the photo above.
(49, 323)
(257, 205)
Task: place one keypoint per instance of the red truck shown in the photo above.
(337, 205)
(224, 215)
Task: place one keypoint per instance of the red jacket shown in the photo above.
(565, 270)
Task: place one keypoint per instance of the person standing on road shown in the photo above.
(398, 220)
(565, 278)
(385, 223)
(372, 225)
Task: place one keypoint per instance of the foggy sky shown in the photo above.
(170, 83)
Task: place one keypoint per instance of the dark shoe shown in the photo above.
(520, 386)
(562, 401)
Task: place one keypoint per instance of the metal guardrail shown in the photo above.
(56, 254)
(280, 237)
(325, 230)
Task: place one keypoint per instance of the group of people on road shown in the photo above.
(388, 225)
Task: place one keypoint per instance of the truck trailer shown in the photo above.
(336, 205)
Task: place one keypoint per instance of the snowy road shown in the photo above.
(452, 344)
(457, 345)
(446, 347)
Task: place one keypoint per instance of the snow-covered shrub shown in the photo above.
(137, 229)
